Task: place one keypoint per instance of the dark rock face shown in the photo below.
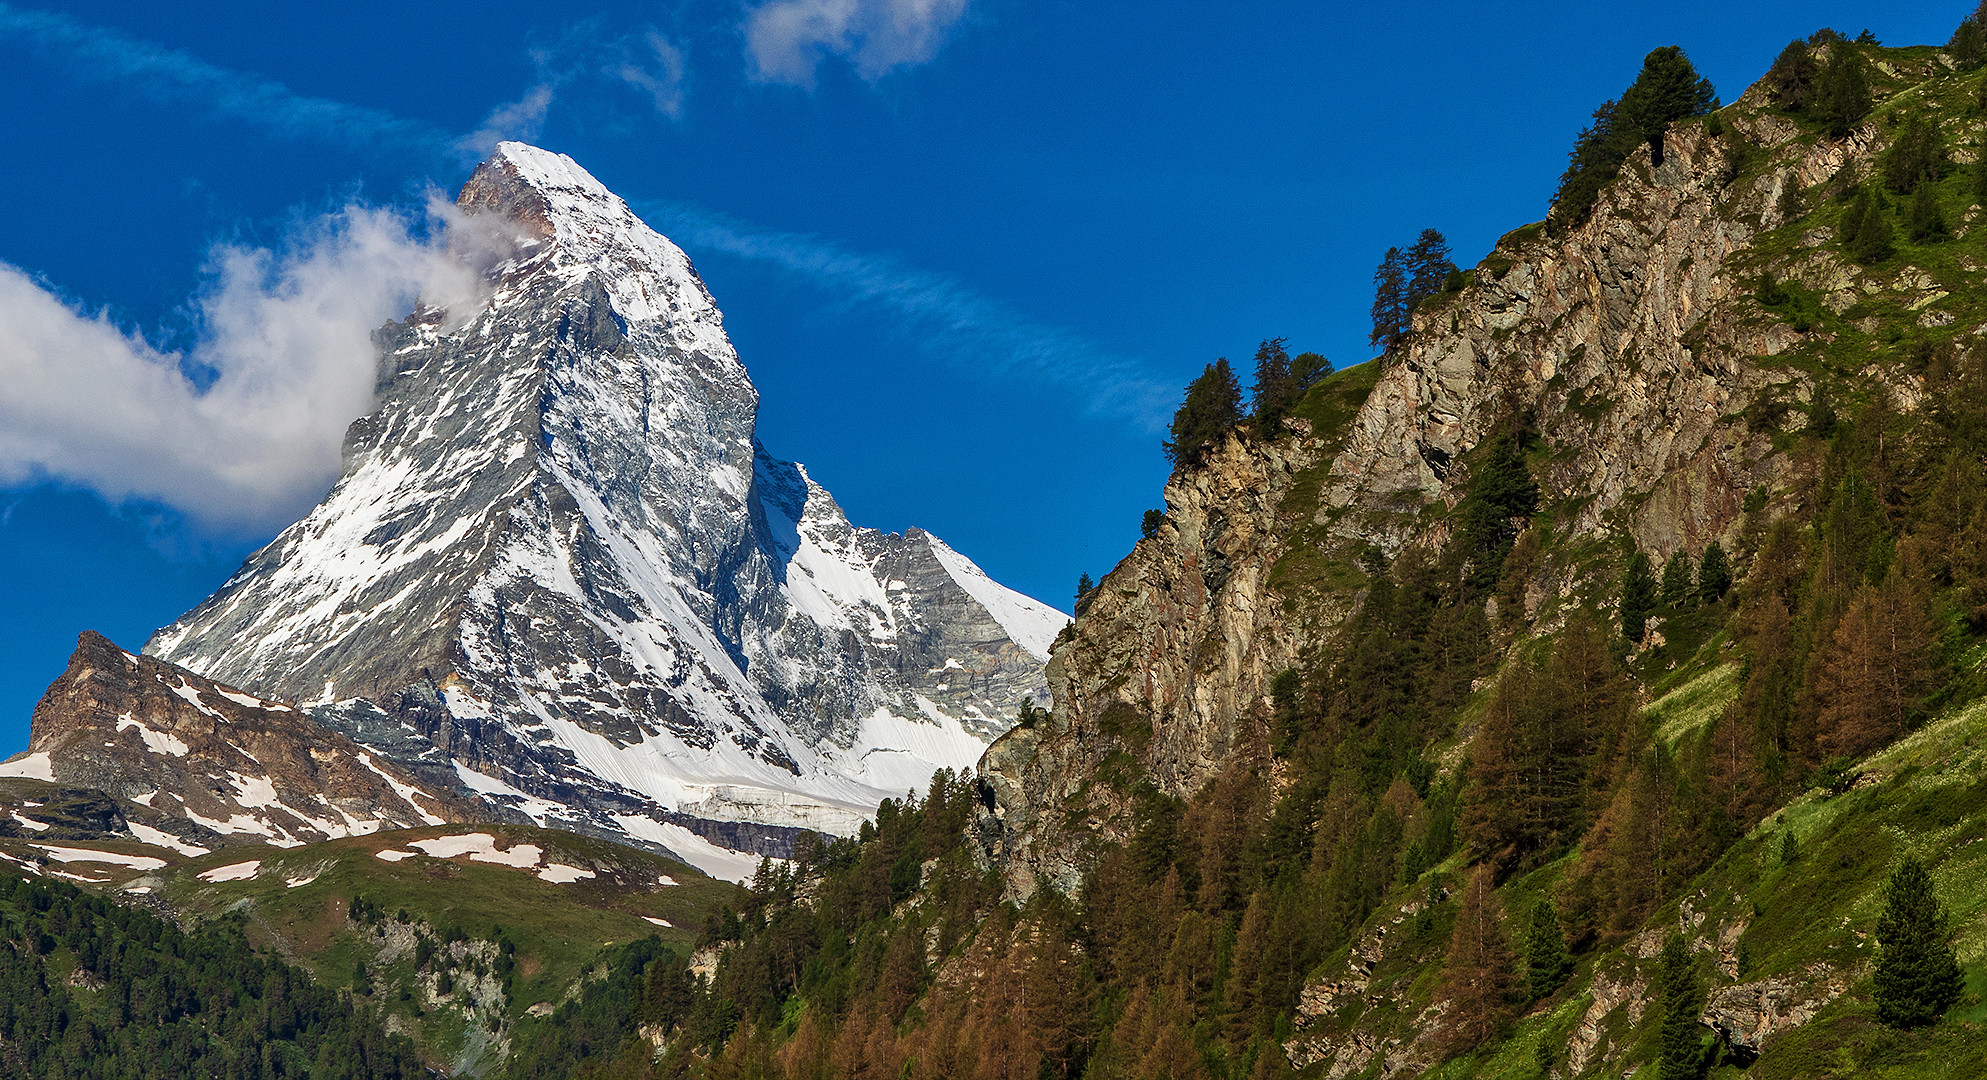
(135, 730)
(559, 566)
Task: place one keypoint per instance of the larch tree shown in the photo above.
(1428, 267)
(1871, 682)
(1478, 973)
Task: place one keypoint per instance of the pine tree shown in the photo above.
(1547, 962)
(1714, 575)
(1428, 267)
(1477, 974)
(1391, 307)
(1084, 587)
(1791, 80)
(1681, 1048)
(1677, 590)
(1968, 46)
(1594, 161)
(1871, 240)
(1638, 597)
(1281, 382)
(1924, 222)
(1667, 90)
(1918, 978)
(1916, 156)
(1213, 405)
(1842, 95)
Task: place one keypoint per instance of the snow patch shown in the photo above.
(145, 834)
(240, 871)
(70, 854)
(35, 766)
(38, 826)
(561, 874)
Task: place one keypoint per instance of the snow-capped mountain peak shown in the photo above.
(559, 567)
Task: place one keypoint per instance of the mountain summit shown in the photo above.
(558, 564)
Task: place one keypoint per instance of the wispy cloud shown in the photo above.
(286, 336)
(172, 77)
(655, 66)
(949, 321)
(787, 39)
(522, 119)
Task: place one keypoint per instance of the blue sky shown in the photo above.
(969, 249)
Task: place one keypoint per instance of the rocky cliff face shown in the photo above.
(559, 565)
(1635, 347)
(233, 766)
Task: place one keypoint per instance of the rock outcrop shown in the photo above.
(233, 765)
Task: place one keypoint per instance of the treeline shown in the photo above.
(93, 988)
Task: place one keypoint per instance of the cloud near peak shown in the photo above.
(786, 40)
(285, 350)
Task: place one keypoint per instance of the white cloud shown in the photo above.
(788, 39)
(659, 75)
(286, 337)
(948, 320)
(521, 120)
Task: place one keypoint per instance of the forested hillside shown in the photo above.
(1590, 685)
(91, 987)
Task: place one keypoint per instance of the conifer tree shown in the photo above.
(1677, 590)
(1281, 382)
(1872, 680)
(1869, 238)
(1213, 405)
(1968, 45)
(1916, 156)
(1918, 978)
(1980, 169)
(1084, 587)
(1842, 95)
(1269, 397)
(1681, 1048)
(1638, 597)
(1391, 306)
(1667, 90)
(1790, 82)
(1428, 267)
(1547, 962)
(1714, 575)
(1478, 971)
(1924, 221)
